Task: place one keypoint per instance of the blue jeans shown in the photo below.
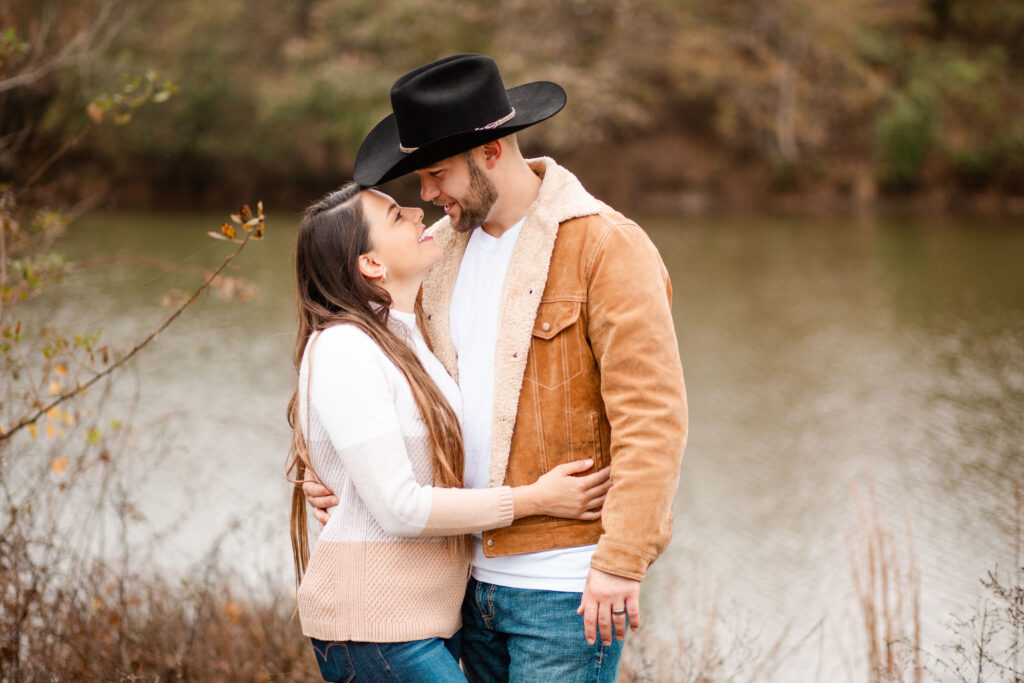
(432, 660)
(522, 635)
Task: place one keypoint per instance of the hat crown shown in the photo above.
(457, 94)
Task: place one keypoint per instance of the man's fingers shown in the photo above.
(322, 502)
(314, 489)
(619, 622)
(590, 515)
(321, 516)
(590, 620)
(633, 610)
(595, 503)
(604, 623)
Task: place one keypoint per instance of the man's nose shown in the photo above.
(427, 190)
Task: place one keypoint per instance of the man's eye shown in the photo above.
(398, 216)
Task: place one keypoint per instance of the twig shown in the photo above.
(55, 156)
(138, 347)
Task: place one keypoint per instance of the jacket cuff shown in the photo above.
(621, 560)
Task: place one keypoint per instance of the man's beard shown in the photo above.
(482, 194)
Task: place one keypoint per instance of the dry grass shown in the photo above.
(888, 591)
(97, 623)
(988, 644)
(700, 641)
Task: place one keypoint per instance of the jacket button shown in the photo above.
(490, 542)
(546, 326)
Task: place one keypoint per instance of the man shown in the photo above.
(552, 311)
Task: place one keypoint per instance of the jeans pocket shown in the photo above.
(334, 661)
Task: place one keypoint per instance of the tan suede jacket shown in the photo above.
(587, 365)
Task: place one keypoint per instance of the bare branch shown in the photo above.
(83, 47)
(71, 393)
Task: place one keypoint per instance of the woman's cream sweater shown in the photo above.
(386, 567)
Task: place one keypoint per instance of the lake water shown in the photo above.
(884, 354)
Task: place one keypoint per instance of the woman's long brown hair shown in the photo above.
(332, 291)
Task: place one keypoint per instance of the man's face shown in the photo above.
(458, 185)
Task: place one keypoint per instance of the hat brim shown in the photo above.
(380, 159)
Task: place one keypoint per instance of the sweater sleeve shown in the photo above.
(353, 394)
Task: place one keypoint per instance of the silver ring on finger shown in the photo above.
(618, 612)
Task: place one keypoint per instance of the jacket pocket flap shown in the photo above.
(555, 316)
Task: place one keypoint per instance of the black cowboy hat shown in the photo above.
(447, 107)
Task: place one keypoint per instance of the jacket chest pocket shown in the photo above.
(556, 350)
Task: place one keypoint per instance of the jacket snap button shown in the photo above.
(546, 326)
(490, 542)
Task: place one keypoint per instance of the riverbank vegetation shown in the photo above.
(672, 105)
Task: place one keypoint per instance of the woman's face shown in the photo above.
(396, 233)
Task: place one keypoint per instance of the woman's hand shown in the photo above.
(560, 494)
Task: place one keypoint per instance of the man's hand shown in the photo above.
(607, 599)
(319, 497)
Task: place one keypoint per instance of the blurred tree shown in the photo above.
(806, 91)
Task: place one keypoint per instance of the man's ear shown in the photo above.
(370, 267)
(491, 153)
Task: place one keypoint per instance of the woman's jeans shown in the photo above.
(433, 659)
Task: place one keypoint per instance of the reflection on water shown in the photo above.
(883, 352)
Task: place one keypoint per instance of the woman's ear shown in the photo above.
(370, 267)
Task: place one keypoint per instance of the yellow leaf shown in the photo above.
(93, 435)
(95, 112)
(33, 429)
(228, 230)
(60, 369)
(233, 611)
(59, 465)
(51, 431)
(54, 387)
(53, 413)
(70, 419)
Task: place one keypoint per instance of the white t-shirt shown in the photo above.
(473, 319)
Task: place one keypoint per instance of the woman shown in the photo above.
(376, 417)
